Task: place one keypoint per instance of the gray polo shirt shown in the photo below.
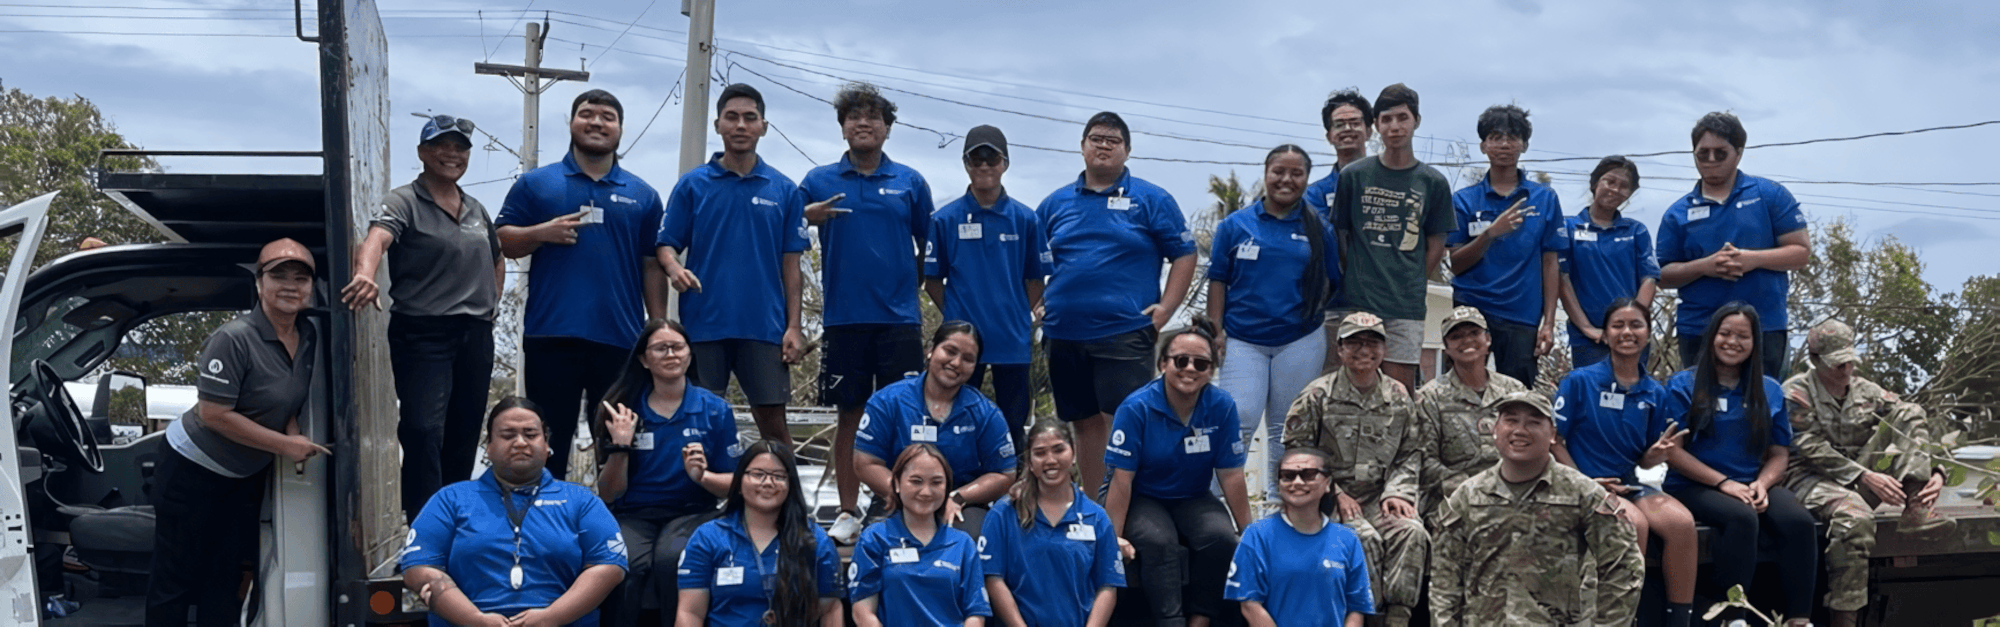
(244, 367)
(439, 266)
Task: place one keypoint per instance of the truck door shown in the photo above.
(21, 228)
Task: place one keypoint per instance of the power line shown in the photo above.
(621, 34)
(510, 28)
(656, 112)
(788, 140)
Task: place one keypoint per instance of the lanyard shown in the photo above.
(514, 520)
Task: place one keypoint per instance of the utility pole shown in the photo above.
(694, 108)
(530, 82)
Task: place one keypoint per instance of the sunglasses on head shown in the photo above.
(1200, 364)
(1288, 475)
(452, 123)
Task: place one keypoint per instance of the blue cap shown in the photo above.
(438, 125)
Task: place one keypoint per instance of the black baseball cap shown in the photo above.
(985, 135)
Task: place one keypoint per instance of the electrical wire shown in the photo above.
(621, 34)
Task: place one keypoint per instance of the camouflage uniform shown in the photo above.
(1375, 456)
(1839, 440)
(1558, 555)
(1455, 428)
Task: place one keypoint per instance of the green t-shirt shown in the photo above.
(1385, 216)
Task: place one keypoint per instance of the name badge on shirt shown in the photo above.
(923, 433)
(1082, 532)
(1478, 227)
(1721, 404)
(1118, 203)
(1195, 444)
(1585, 235)
(1611, 400)
(1248, 251)
(971, 230)
(730, 576)
(591, 214)
(902, 556)
(643, 441)
(1697, 213)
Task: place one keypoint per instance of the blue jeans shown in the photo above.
(1264, 380)
(1514, 350)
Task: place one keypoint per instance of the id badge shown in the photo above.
(1082, 532)
(592, 214)
(1697, 213)
(643, 441)
(971, 230)
(729, 576)
(1479, 227)
(1248, 251)
(1611, 400)
(514, 577)
(1721, 404)
(923, 433)
(1585, 235)
(1195, 444)
(903, 556)
(1118, 203)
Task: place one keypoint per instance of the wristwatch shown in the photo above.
(958, 498)
(617, 448)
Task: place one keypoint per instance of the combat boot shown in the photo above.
(1923, 519)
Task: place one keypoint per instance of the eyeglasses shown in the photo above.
(1711, 155)
(1107, 141)
(451, 123)
(983, 161)
(1200, 364)
(762, 476)
(665, 349)
(1308, 475)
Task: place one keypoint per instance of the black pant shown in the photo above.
(444, 368)
(1514, 350)
(1010, 393)
(205, 530)
(654, 538)
(562, 373)
(1156, 528)
(1733, 543)
(1770, 346)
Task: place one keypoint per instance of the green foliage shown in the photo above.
(1902, 325)
(51, 145)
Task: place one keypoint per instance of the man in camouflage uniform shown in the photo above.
(1532, 542)
(1455, 412)
(1845, 426)
(1364, 420)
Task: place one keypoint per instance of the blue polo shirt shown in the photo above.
(1608, 426)
(739, 598)
(1308, 580)
(1319, 195)
(593, 289)
(1507, 282)
(986, 256)
(464, 530)
(1261, 258)
(1605, 264)
(1754, 216)
(1053, 569)
(1106, 251)
(869, 256)
(1727, 450)
(736, 231)
(941, 584)
(657, 477)
(1170, 460)
(973, 437)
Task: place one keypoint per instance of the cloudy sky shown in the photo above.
(1198, 81)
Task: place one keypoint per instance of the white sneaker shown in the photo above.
(845, 528)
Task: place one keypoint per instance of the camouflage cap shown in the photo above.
(1463, 315)
(1530, 398)
(1362, 322)
(1832, 342)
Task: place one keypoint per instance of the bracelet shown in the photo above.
(617, 448)
(1718, 484)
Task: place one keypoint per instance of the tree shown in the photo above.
(1901, 323)
(52, 144)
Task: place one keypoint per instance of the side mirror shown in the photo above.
(121, 401)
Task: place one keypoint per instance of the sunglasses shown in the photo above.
(1200, 364)
(452, 123)
(1308, 475)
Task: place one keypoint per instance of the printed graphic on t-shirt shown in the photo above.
(1391, 217)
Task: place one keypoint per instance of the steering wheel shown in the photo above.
(68, 421)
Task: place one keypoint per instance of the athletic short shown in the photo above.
(1406, 337)
(759, 367)
(858, 359)
(1093, 377)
